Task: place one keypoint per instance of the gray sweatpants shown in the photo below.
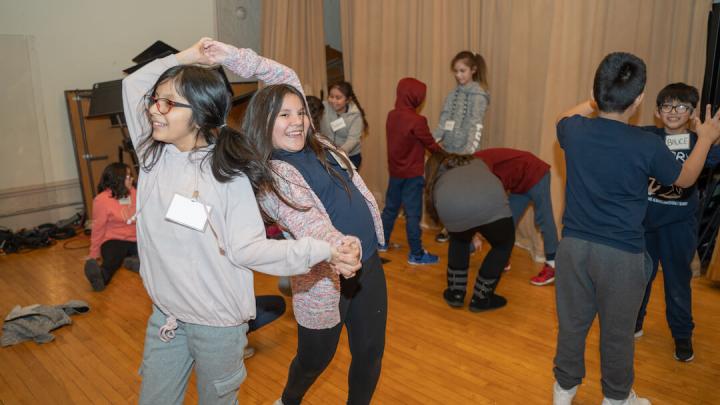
(591, 279)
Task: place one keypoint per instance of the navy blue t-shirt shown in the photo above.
(608, 165)
(669, 204)
(349, 214)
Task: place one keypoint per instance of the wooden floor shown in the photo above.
(434, 354)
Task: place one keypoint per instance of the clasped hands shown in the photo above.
(346, 257)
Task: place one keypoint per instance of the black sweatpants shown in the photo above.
(113, 253)
(363, 310)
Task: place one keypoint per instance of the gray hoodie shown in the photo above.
(348, 137)
(461, 120)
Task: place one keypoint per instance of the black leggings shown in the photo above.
(501, 236)
(363, 310)
(113, 253)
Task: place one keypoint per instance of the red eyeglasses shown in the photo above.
(164, 105)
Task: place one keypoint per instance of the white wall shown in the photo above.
(80, 42)
(52, 46)
(238, 23)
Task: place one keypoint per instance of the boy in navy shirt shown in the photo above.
(601, 265)
(671, 219)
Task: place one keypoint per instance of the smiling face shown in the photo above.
(176, 125)
(463, 72)
(291, 125)
(674, 121)
(337, 100)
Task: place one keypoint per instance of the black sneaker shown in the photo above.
(494, 301)
(442, 237)
(94, 274)
(684, 350)
(454, 298)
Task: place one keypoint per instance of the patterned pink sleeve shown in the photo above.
(246, 63)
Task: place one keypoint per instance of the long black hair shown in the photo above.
(257, 129)
(347, 90)
(206, 92)
(113, 179)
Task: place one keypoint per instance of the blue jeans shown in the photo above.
(215, 352)
(539, 194)
(407, 193)
(674, 246)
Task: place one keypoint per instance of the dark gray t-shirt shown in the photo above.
(469, 196)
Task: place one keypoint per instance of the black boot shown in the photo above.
(484, 297)
(454, 295)
(94, 274)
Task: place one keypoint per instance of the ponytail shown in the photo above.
(473, 61)
(347, 90)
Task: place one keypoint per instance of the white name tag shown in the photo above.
(449, 125)
(124, 201)
(338, 124)
(188, 212)
(678, 142)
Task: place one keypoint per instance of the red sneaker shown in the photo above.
(545, 277)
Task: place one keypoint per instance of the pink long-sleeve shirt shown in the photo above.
(110, 220)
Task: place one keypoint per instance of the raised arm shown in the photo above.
(586, 108)
(708, 133)
(248, 64)
(138, 85)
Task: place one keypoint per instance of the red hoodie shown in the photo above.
(518, 170)
(408, 133)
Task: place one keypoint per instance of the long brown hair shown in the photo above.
(437, 161)
(257, 129)
(476, 61)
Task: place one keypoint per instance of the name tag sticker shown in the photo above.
(124, 201)
(449, 125)
(188, 212)
(338, 124)
(678, 142)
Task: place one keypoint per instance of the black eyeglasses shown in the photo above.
(164, 105)
(680, 108)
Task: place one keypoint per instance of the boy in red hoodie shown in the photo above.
(408, 135)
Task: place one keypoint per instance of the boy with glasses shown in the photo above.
(671, 220)
(601, 264)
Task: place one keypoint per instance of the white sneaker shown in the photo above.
(632, 399)
(638, 334)
(278, 402)
(562, 396)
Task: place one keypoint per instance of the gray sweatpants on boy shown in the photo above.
(591, 279)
